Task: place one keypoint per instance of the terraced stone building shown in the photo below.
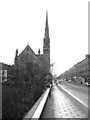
(81, 69)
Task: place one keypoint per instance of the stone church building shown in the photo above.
(28, 55)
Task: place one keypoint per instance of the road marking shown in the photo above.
(74, 85)
(74, 96)
(61, 108)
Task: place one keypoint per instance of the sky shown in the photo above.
(23, 21)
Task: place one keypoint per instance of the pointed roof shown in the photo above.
(46, 27)
(26, 50)
(46, 35)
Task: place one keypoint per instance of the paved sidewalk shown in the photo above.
(60, 106)
(49, 109)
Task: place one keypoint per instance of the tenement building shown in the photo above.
(3, 72)
(28, 55)
(81, 69)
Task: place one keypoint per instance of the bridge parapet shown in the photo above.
(38, 107)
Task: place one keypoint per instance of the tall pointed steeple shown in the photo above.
(46, 26)
(46, 40)
(47, 20)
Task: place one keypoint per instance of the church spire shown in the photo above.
(46, 41)
(47, 20)
(46, 26)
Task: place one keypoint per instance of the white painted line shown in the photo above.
(33, 109)
(41, 105)
(74, 96)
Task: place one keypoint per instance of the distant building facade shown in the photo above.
(81, 69)
(3, 72)
(28, 55)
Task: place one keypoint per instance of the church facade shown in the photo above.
(28, 55)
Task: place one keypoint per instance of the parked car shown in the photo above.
(87, 83)
(59, 81)
(81, 80)
(56, 83)
(69, 81)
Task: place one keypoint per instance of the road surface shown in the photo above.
(67, 101)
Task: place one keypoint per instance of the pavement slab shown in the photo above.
(59, 105)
